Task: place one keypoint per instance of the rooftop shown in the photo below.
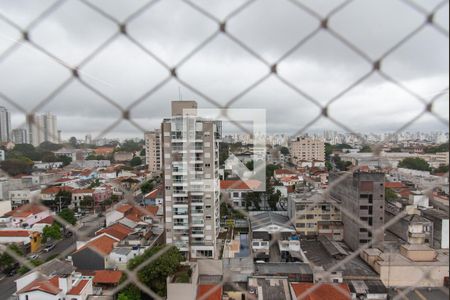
(107, 277)
(308, 291)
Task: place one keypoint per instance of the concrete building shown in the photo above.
(191, 180)
(313, 214)
(361, 196)
(307, 150)
(19, 136)
(412, 265)
(440, 227)
(43, 129)
(5, 125)
(153, 151)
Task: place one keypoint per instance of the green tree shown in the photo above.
(252, 198)
(250, 165)
(155, 273)
(147, 187)
(34, 262)
(48, 156)
(366, 149)
(130, 146)
(68, 215)
(73, 142)
(414, 163)
(62, 200)
(284, 150)
(136, 161)
(329, 165)
(328, 150)
(142, 153)
(6, 260)
(441, 169)
(270, 169)
(66, 160)
(13, 167)
(52, 232)
(273, 200)
(436, 149)
(131, 292)
(87, 202)
(48, 146)
(390, 194)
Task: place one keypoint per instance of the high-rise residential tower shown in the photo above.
(5, 125)
(153, 151)
(190, 158)
(307, 150)
(43, 129)
(361, 196)
(19, 136)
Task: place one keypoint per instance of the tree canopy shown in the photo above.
(68, 215)
(414, 163)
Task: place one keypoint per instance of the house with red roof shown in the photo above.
(131, 214)
(236, 190)
(94, 254)
(29, 240)
(53, 281)
(308, 291)
(27, 215)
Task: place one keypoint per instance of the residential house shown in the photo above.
(94, 254)
(27, 215)
(29, 241)
(306, 290)
(24, 196)
(236, 190)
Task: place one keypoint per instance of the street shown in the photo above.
(88, 226)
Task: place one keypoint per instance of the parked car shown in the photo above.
(34, 256)
(49, 248)
(11, 273)
(68, 234)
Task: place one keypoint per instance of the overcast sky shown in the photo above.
(322, 67)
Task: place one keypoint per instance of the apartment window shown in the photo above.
(235, 195)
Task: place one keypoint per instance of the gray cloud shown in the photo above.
(322, 67)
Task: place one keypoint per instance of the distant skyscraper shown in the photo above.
(19, 136)
(44, 129)
(5, 125)
(190, 158)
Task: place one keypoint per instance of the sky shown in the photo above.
(170, 29)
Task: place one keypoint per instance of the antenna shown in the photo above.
(179, 94)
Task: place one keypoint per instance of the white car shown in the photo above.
(34, 256)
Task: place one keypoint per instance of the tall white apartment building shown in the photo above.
(191, 178)
(153, 151)
(44, 129)
(307, 150)
(5, 125)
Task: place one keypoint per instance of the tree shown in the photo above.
(48, 146)
(131, 292)
(66, 160)
(414, 163)
(273, 200)
(52, 232)
(73, 142)
(68, 215)
(142, 152)
(390, 194)
(250, 165)
(62, 199)
(340, 164)
(252, 198)
(436, 149)
(284, 150)
(328, 150)
(6, 260)
(136, 161)
(270, 169)
(155, 273)
(441, 169)
(329, 165)
(87, 202)
(366, 149)
(48, 156)
(34, 262)
(147, 187)
(130, 146)
(18, 166)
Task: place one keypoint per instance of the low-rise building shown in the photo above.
(29, 241)
(236, 190)
(313, 214)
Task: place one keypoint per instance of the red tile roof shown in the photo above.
(123, 208)
(213, 291)
(154, 194)
(283, 172)
(239, 184)
(47, 220)
(394, 185)
(28, 210)
(76, 290)
(47, 286)
(103, 244)
(117, 230)
(56, 189)
(14, 233)
(323, 291)
(107, 277)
